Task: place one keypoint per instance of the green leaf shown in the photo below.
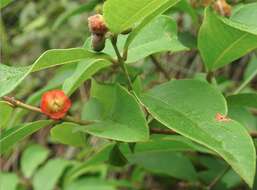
(222, 41)
(161, 143)
(135, 32)
(246, 14)
(47, 177)
(13, 135)
(229, 181)
(10, 77)
(4, 3)
(85, 70)
(121, 15)
(35, 152)
(189, 107)
(9, 181)
(100, 156)
(165, 162)
(121, 118)
(158, 36)
(5, 113)
(243, 116)
(251, 70)
(243, 100)
(34, 99)
(116, 158)
(65, 134)
(250, 74)
(92, 110)
(214, 167)
(238, 109)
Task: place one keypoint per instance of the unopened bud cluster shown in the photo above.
(98, 29)
(220, 6)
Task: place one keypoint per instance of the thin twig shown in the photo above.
(162, 131)
(245, 83)
(218, 178)
(17, 103)
(121, 61)
(78, 121)
(210, 76)
(159, 66)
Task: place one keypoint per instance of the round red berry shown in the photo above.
(55, 104)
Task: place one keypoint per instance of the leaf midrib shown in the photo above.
(221, 153)
(229, 48)
(140, 12)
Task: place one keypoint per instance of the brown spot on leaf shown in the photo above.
(221, 118)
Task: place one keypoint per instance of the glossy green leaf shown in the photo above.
(10, 77)
(5, 113)
(122, 14)
(249, 74)
(13, 135)
(158, 36)
(48, 175)
(243, 116)
(244, 100)
(34, 152)
(121, 117)
(64, 133)
(92, 110)
(189, 107)
(222, 41)
(229, 181)
(85, 70)
(214, 167)
(238, 109)
(246, 14)
(116, 158)
(165, 162)
(251, 70)
(161, 143)
(9, 181)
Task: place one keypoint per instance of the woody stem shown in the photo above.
(17, 103)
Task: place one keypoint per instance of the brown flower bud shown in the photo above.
(206, 3)
(97, 25)
(98, 42)
(222, 7)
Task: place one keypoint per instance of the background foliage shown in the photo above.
(183, 116)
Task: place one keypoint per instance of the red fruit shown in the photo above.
(97, 25)
(55, 104)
